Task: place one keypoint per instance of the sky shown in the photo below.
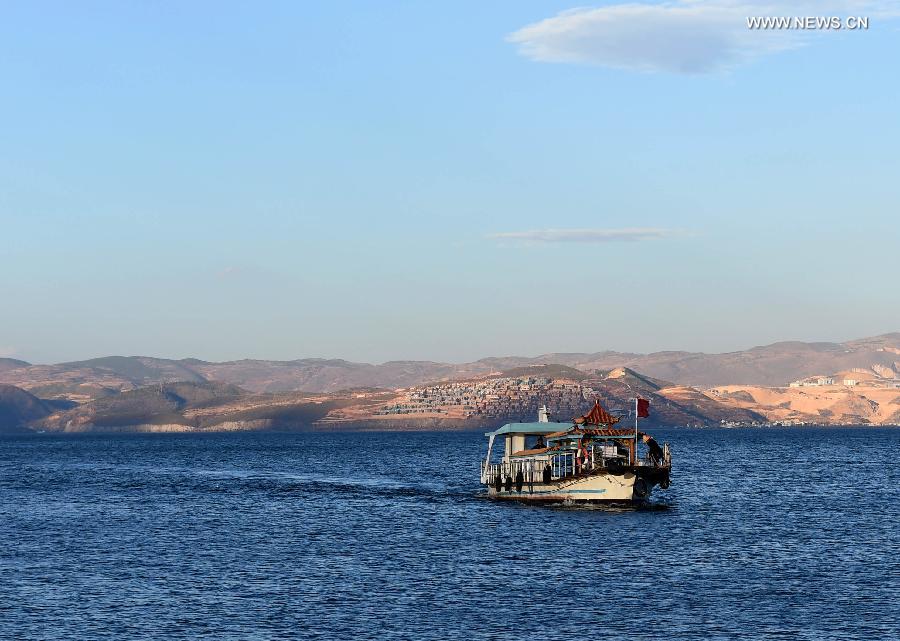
(443, 181)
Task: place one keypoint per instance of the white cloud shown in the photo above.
(628, 234)
(228, 272)
(685, 36)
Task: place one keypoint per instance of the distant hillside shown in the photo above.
(772, 365)
(204, 406)
(138, 369)
(670, 404)
(329, 375)
(157, 404)
(18, 408)
(12, 363)
(776, 364)
(550, 371)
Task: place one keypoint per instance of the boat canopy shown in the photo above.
(528, 428)
(597, 416)
(599, 433)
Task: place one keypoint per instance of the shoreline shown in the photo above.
(386, 429)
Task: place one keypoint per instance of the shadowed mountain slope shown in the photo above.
(18, 407)
(156, 404)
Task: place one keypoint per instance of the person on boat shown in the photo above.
(654, 451)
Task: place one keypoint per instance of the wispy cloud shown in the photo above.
(228, 272)
(627, 234)
(685, 36)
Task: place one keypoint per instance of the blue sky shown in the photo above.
(444, 181)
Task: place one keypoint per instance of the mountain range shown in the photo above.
(771, 365)
(857, 382)
(210, 406)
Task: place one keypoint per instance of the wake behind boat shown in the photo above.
(589, 460)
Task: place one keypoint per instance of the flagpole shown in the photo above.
(635, 430)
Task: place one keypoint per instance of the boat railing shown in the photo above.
(665, 461)
(566, 464)
(562, 465)
(532, 471)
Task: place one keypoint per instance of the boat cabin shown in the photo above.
(545, 453)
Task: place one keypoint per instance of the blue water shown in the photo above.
(764, 534)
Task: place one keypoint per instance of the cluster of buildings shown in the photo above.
(492, 398)
(788, 422)
(820, 381)
(878, 376)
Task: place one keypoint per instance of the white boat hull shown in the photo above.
(604, 487)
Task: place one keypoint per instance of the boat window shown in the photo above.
(535, 441)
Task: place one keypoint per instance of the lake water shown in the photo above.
(764, 534)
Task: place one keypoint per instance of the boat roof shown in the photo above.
(535, 451)
(529, 428)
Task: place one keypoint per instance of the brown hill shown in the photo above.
(863, 404)
(771, 365)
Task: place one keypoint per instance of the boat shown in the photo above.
(590, 460)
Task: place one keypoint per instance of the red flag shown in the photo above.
(643, 408)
